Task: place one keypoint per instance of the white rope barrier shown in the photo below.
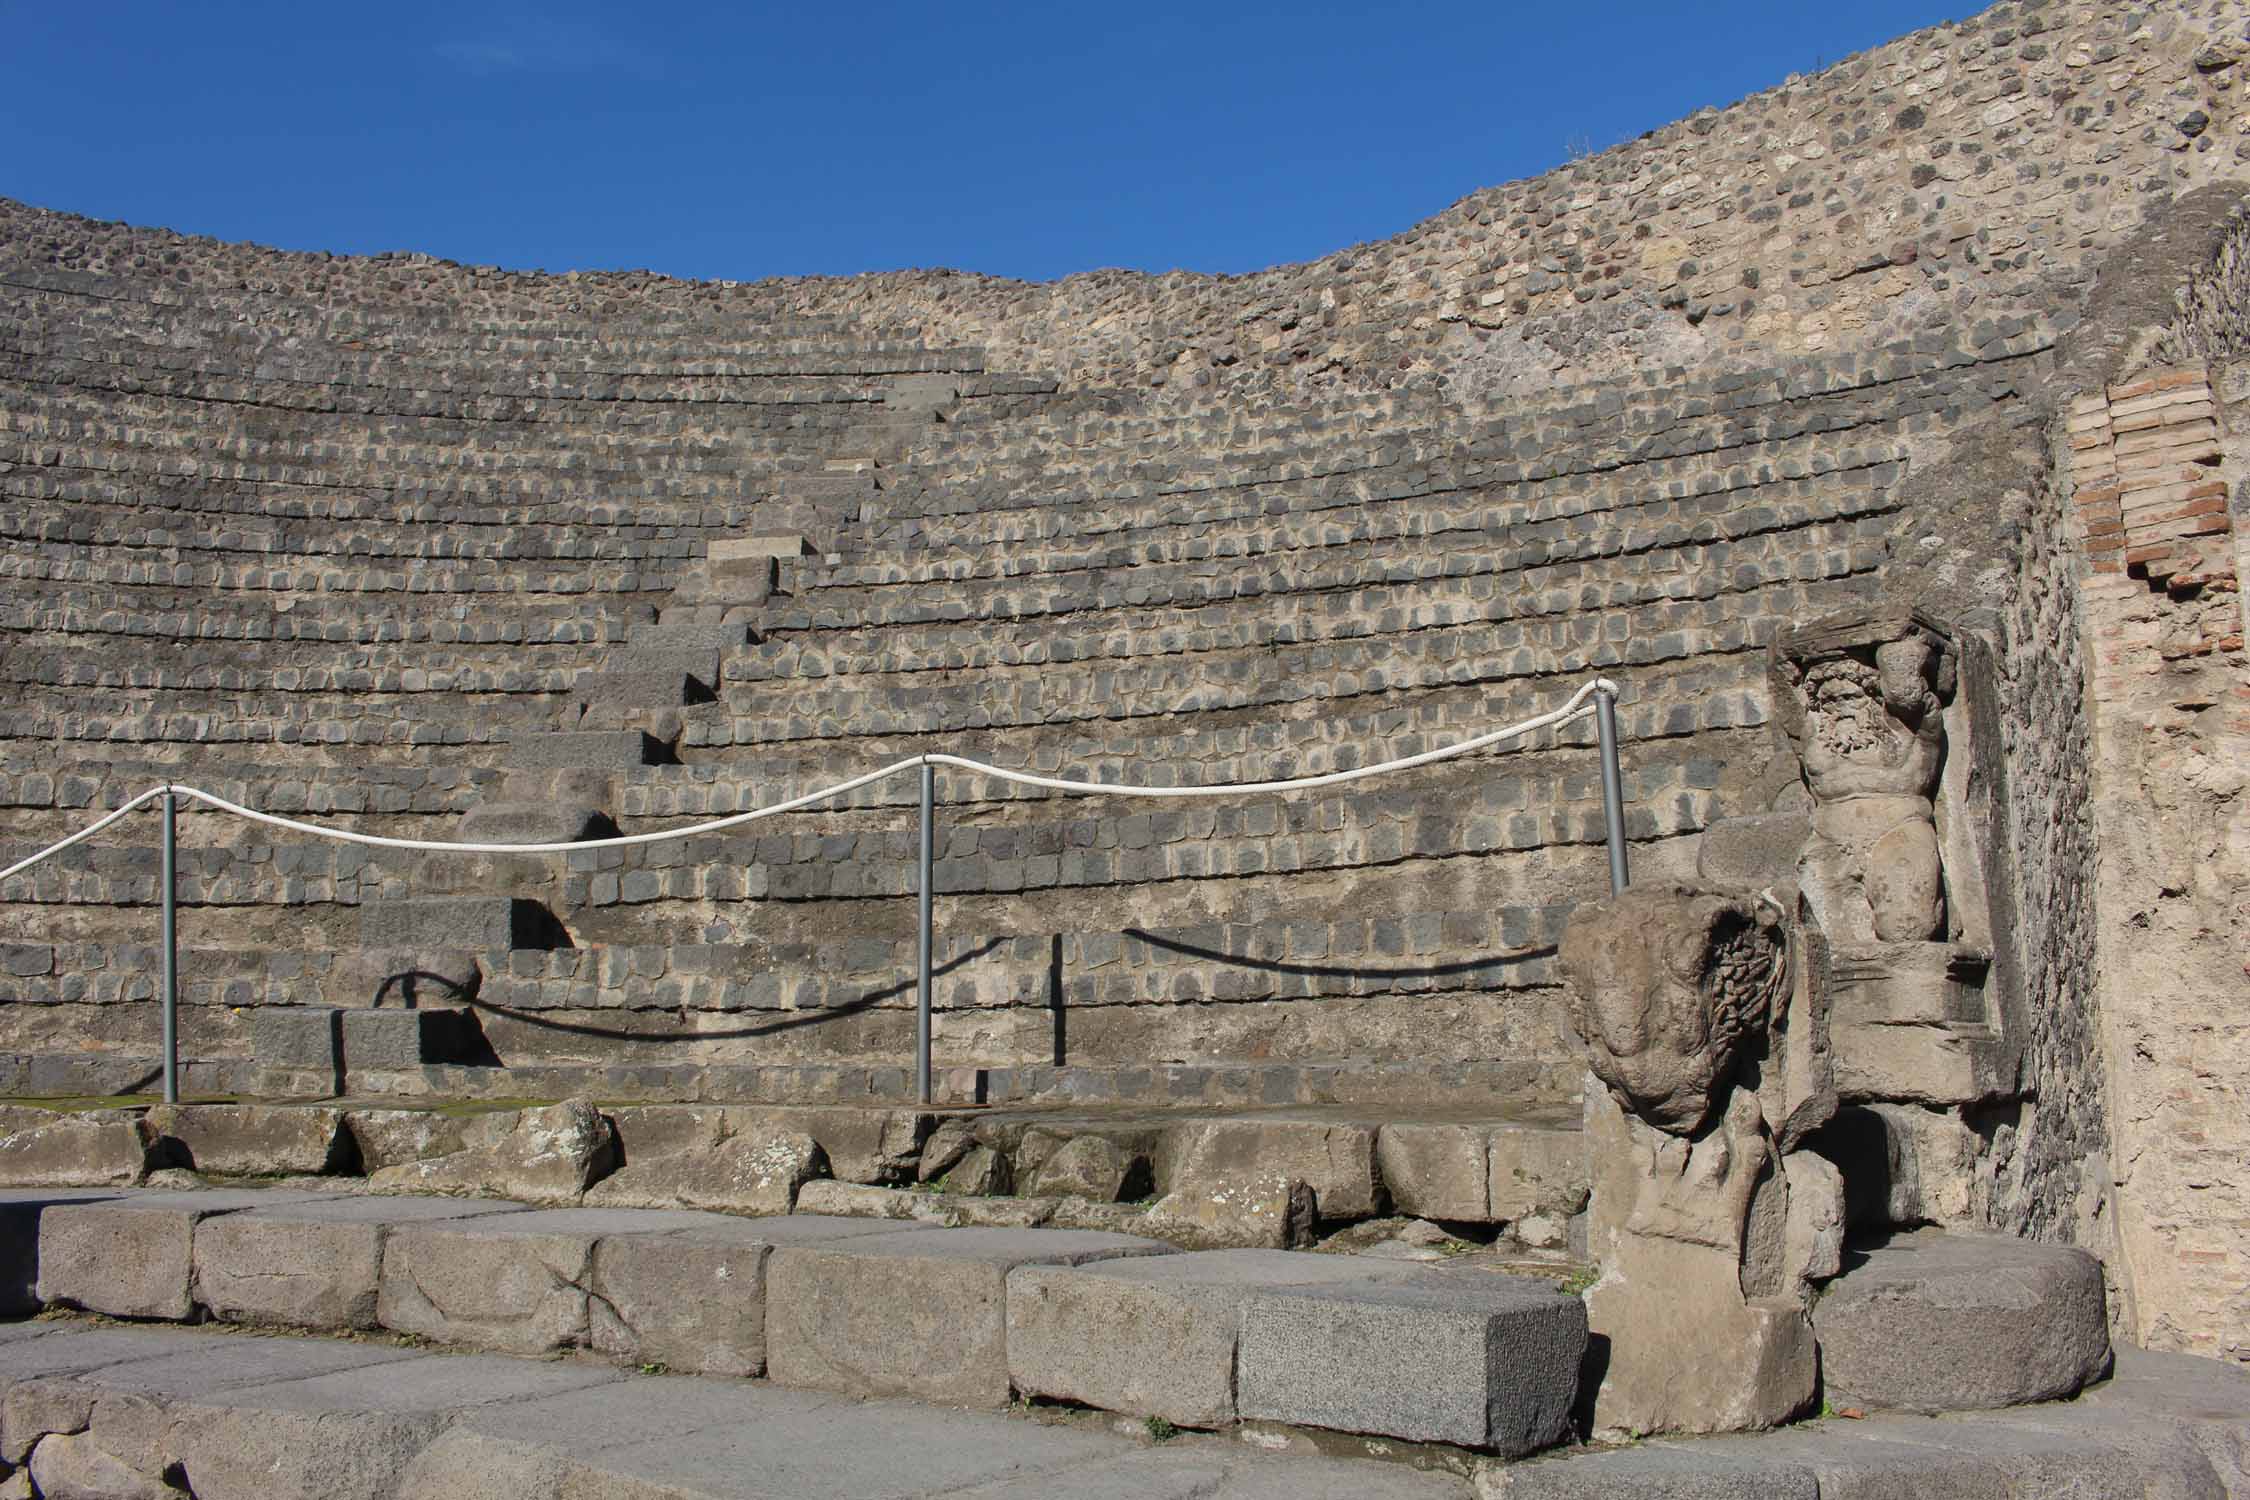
(1576, 707)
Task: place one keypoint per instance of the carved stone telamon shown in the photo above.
(1709, 1227)
(1861, 701)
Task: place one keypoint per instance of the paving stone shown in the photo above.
(309, 1265)
(1648, 1473)
(1154, 1336)
(921, 1313)
(133, 1257)
(1931, 1321)
(1481, 1360)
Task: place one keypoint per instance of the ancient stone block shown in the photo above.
(133, 1257)
(1086, 1166)
(316, 1264)
(474, 923)
(758, 1172)
(391, 1137)
(1931, 1321)
(1154, 1336)
(587, 749)
(547, 1155)
(694, 1299)
(250, 1139)
(920, 1314)
(1481, 1360)
(20, 1211)
(290, 1037)
(387, 1039)
(516, 1283)
(52, 1148)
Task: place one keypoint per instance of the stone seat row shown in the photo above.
(84, 526)
(658, 506)
(956, 1316)
(858, 857)
(1547, 572)
(1412, 951)
(1623, 512)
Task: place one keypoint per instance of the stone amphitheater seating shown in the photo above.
(1918, 382)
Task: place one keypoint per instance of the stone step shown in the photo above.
(1481, 1361)
(1216, 1178)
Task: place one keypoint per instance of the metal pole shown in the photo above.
(1613, 786)
(171, 949)
(922, 992)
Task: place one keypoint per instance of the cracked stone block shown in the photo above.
(513, 1283)
(1933, 1321)
(920, 1313)
(133, 1257)
(694, 1300)
(1154, 1336)
(309, 1265)
(1481, 1360)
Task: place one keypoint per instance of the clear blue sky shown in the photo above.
(763, 139)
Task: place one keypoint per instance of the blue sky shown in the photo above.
(755, 140)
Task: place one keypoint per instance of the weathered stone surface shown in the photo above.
(250, 1139)
(20, 1211)
(979, 1172)
(1931, 1321)
(919, 1314)
(1482, 1360)
(586, 749)
(74, 1466)
(1667, 983)
(1335, 1160)
(1154, 1336)
(1754, 853)
(92, 1148)
(517, 1283)
(393, 1137)
(132, 1257)
(547, 1155)
(308, 1265)
(423, 924)
(694, 1299)
(1470, 1173)
(758, 1172)
(1088, 1166)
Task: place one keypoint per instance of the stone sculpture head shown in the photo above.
(1668, 983)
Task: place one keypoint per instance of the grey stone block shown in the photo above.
(387, 1039)
(1953, 1322)
(290, 1037)
(548, 822)
(133, 1257)
(582, 749)
(476, 923)
(251, 1139)
(1154, 1336)
(311, 1265)
(1749, 854)
(756, 549)
(1484, 1361)
(921, 1313)
(56, 1148)
(20, 1211)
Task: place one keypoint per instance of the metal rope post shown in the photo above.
(171, 948)
(1613, 784)
(922, 944)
